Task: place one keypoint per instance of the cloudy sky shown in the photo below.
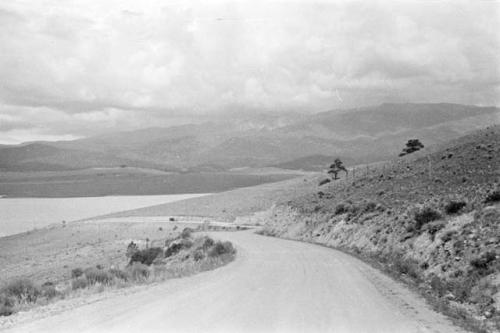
(82, 67)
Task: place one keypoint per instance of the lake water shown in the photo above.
(23, 214)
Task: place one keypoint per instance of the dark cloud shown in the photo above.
(153, 61)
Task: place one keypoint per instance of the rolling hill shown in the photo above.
(359, 135)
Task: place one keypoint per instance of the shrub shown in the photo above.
(173, 248)
(146, 256)
(407, 267)
(198, 255)
(22, 289)
(132, 248)
(221, 248)
(207, 243)
(462, 288)
(425, 216)
(454, 207)
(493, 197)
(370, 206)
(79, 283)
(94, 275)
(76, 272)
(186, 232)
(483, 262)
(6, 305)
(177, 246)
(119, 274)
(341, 209)
(49, 290)
(199, 242)
(138, 271)
(438, 285)
(481, 294)
(6, 310)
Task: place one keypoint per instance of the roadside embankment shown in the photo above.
(433, 221)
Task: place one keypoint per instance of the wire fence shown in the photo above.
(390, 168)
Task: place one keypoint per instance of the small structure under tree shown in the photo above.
(336, 167)
(412, 146)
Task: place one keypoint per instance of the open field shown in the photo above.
(229, 205)
(24, 214)
(177, 254)
(49, 254)
(130, 181)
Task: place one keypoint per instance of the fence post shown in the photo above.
(430, 167)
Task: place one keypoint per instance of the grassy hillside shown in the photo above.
(46, 157)
(374, 120)
(433, 220)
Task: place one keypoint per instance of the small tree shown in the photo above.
(412, 146)
(132, 248)
(336, 167)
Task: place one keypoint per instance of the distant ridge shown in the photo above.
(360, 135)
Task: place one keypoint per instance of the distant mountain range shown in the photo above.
(293, 141)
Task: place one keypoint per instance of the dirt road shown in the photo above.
(273, 286)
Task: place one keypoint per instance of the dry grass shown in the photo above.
(50, 254)
(201, 254)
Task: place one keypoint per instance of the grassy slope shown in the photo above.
(228, 206)
(106, 266)
(446, 258)
(49, 254)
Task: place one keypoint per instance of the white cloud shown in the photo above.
(154, 59)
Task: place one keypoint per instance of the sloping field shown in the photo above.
(228, 205)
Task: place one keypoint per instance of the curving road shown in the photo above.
(274, 285)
